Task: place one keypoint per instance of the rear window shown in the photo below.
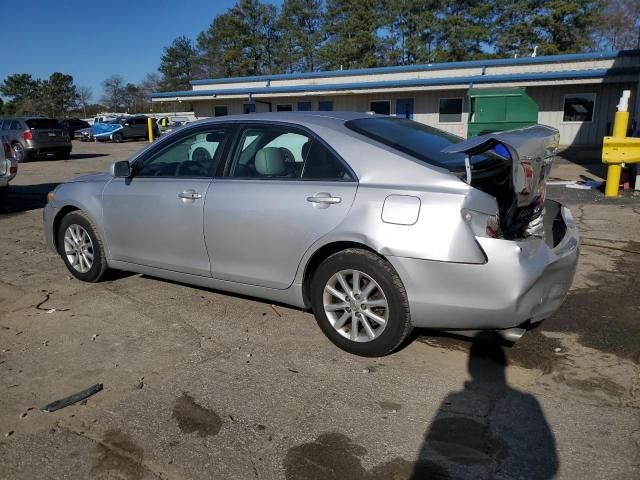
(416, 139)
(42, 123)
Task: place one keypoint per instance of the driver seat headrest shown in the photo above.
(270, 162)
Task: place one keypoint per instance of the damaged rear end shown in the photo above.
(513, 167)
(532, 248)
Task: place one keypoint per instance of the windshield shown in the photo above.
(416, 139)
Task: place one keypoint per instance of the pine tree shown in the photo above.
(352, 34)
(177, 64)
(300, 35)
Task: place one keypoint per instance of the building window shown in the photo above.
(381, 107)
(304, 106)
(325, 105)
(220, 111)
(450, 110)
(287, 107)
(249, 107)
(579, 107)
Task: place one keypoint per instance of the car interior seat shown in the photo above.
(269, 162)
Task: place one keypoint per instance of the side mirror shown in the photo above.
(120, 169)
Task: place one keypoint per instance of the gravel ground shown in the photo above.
(200, 384)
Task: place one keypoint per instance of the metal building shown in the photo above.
(575, 93)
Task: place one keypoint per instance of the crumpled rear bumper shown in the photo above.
(524, 280)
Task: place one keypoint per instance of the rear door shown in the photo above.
(46, 132)
(283, 189)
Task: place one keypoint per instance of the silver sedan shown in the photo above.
(378, 224)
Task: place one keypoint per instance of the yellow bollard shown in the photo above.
(614, 171)
(150, 126)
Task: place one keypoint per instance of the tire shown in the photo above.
(386, 337)
(64, 155)
(20, 153)
(98, 267)
(117, 137)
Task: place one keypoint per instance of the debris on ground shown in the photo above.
(93, 337)
(273, 307)
(140, 383)
(71, 399)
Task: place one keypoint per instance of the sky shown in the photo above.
(91, 40)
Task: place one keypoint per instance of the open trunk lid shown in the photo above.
(519, 183)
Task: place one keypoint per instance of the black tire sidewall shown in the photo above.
(96, 270)
(398, 324)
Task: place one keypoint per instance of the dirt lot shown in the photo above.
(199, 384)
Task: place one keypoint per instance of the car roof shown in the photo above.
(300, 118)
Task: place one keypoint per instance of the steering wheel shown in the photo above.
(190, 167)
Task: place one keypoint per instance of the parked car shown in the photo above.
(33, 136)
(124, 128)
(85, 134)
(378, 224)
(8, 170)
(72, 125)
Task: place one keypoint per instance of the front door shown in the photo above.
(283, 191)
(404, 108)
(155, 218)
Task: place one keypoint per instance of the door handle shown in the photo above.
(189, 195)
(324, 200)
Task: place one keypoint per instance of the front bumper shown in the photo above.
(524, 280)
(49, 213)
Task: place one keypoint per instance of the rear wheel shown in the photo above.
(20, 153)
(81, 247)
(360, 303)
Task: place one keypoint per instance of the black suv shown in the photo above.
(135, 127)
(71, 125)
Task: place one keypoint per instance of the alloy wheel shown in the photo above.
(355, 305)
(78, 248)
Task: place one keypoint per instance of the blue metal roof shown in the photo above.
(463, 80)
(427, 66)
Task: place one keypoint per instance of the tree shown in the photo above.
(84, 95)
(413, 27)
(300, 35)
(24, 93)
(58, 94)
(518, 33)
(114, 93)
(240, 41)
(352, 34)
(178, 64)
(131, 98)
(619, 27)
(568, 25)
(465, 29)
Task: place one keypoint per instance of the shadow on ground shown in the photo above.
(23, 198)
(485, 430)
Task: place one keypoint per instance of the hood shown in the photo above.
(91, 177)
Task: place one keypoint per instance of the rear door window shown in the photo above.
(43, 123)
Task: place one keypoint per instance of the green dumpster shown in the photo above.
(498, 109)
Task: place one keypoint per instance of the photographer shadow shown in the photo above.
(488, 429)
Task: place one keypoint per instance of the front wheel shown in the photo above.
(360, 303)
(81, 247)
(117, 137)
